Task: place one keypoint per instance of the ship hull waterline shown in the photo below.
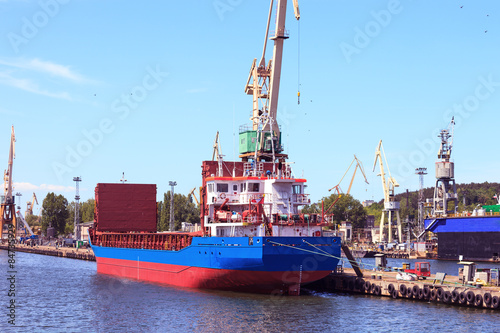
(281, 266)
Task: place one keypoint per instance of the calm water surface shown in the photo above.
(66, 295)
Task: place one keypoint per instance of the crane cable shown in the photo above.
(298, 64)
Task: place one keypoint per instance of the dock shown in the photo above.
(65, 252)
(436, 288)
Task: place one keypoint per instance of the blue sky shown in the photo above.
(97, 88)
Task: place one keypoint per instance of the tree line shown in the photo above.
(349, 209)
(59, 213)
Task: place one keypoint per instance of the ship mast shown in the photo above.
(263, 84)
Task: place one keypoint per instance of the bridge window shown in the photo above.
(253, 187)
(210, 188)
(243, 187)
(222, 187)
(297, 189)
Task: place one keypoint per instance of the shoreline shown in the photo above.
(65, 252)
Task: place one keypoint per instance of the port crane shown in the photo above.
(358, 165)
(390, 205)
(7, 206)
(29, 205)
(337, 187)
(445, 191)
(26, 227)
(263, 84)
(194, 196)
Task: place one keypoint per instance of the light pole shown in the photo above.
(76, 233)
(172, 184)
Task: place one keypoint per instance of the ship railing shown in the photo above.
(151, 241)
(301, 199)
(252, 197)
(253, 219)
(253, 170)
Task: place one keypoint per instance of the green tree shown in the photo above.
(70, 220)
(375, 209)
(87, 211)
(185, 210)
(345, 209)
(32, 220)
(55, 213)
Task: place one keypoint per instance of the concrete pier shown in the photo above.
(384, 284)
(66, 252)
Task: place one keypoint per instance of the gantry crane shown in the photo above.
(29, 206)
(390, 205)
(7, 206)
(263, 84)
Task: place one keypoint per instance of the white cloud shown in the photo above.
(25, 187)
(57, 188)
(45, 67)
(43, 187)
(30, 86)
(32, 74)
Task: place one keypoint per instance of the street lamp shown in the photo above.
(76, 231)
(172, 184)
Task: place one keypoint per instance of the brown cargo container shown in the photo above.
(125, 207)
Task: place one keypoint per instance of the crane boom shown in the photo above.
(8, 172)
(7, 206)
(378, 156)
(390, 205)
(280, 35)
(358, 165)
(296, 9)
(26, 225)
(263, 84)
(194, 196)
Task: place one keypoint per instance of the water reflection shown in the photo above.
(61, 295)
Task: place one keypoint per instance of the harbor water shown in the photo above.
(65, 295)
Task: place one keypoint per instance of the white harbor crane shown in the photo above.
(7, 206)
(263, 84)
(390, 205)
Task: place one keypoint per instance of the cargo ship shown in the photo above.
(253, 236)
(473, 236)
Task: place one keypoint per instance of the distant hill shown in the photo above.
(473, 193)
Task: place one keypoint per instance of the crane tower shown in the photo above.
(390, 205)
(7, 204)
(262, 141)
(445, 192)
